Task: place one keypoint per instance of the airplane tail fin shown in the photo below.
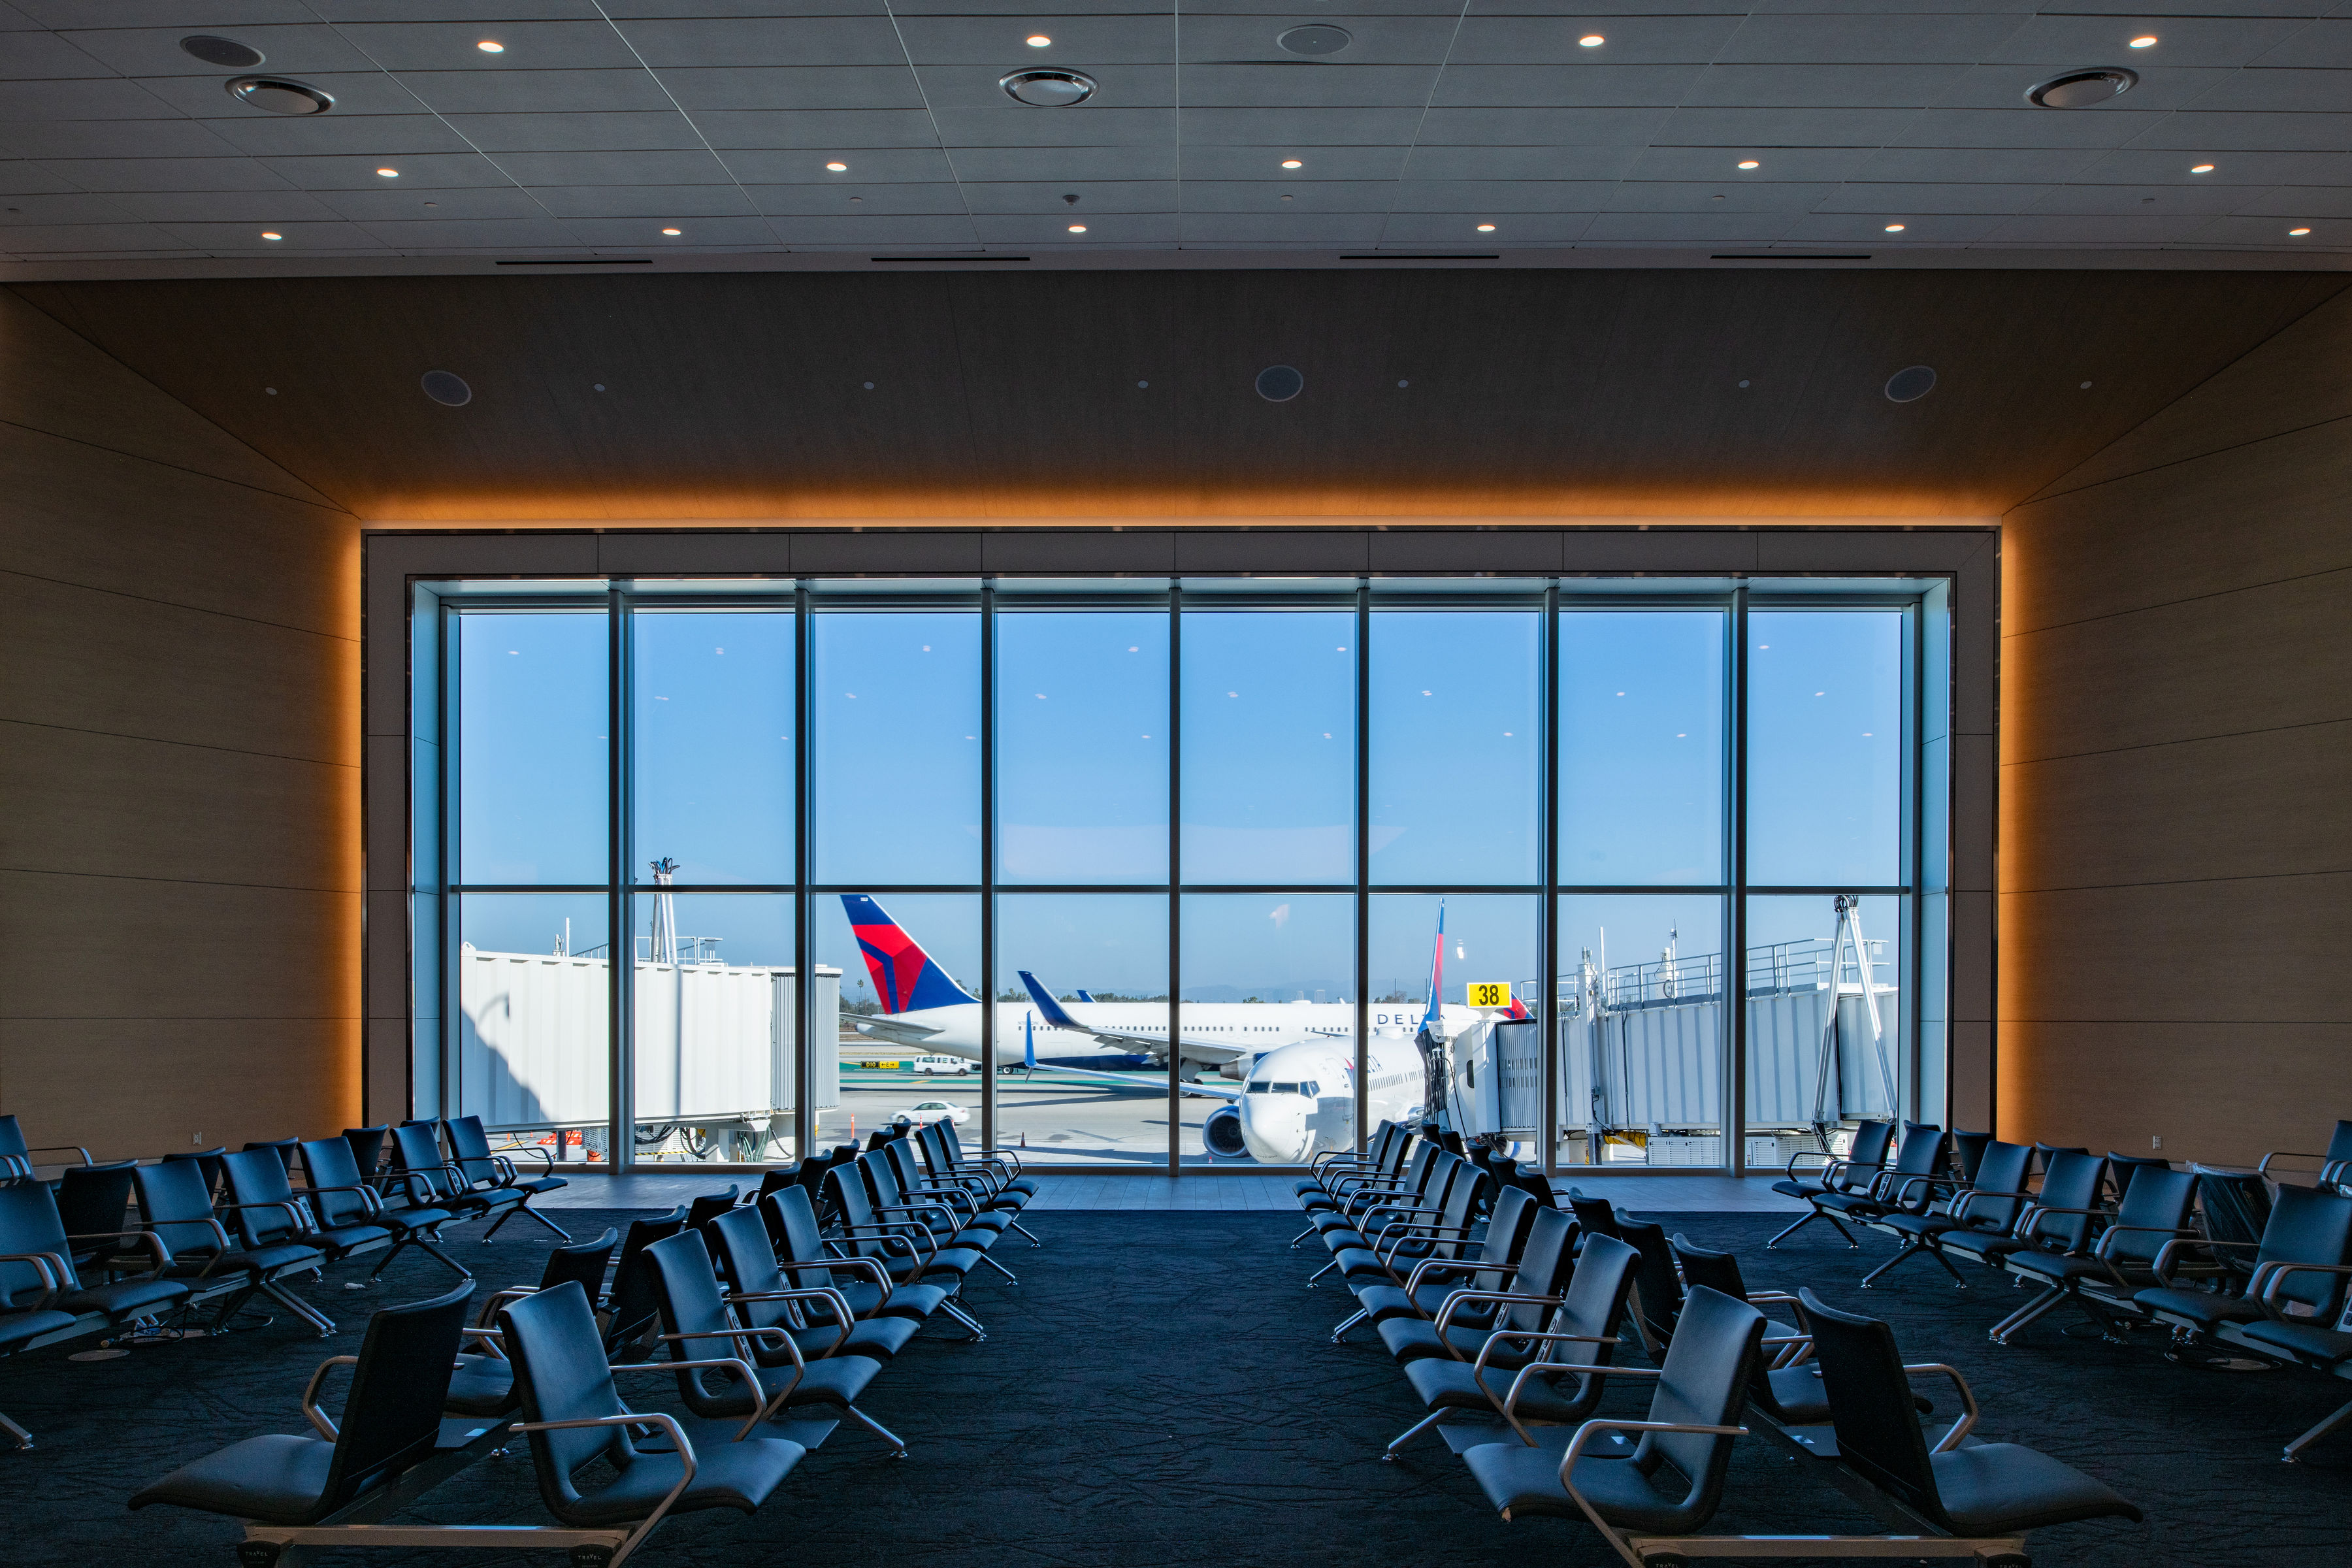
(905, 978)
(1433, 1021)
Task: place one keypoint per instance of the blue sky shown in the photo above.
(1268, 703)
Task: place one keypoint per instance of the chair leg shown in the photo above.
(955, 1310)
(2008, 1328)
(897, 1445)
(1302, 1236)
(1814, 1214)
(1410, 1433)
(1027, 1232)
(300, 1308)
(1908, 1250)
(2293, 1451)
(999, 1268)
(1320, 1272)
(23, 1438)
(1340, 1333)
(530, 1213)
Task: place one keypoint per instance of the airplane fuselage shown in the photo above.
(1247, 1028)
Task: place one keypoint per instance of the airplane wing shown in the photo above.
(1126, 1081)
(1214, 1052)
(895, 1031)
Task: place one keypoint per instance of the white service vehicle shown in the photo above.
(957, 1066)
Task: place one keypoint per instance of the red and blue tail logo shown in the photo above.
(906, 979)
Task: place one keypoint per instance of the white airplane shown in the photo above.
(1287, 1068)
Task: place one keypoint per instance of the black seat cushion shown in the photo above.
(126, 1299)
(2056, 1268)
(879, 1338)
(2307, 1342)
(837, 1381)
(21, 1327)
(1801, 1187)
(253, 1265)
(1449, 1386)
(349, 1238)
(1997, 1488)
(275, 1479)
(1410, 1340)
(1798, 1392)
(482, 1385)
(2201, 1308)
(535, 1185)
(1524, 1481)
(726, 1475)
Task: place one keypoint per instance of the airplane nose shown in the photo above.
(1274, 1128)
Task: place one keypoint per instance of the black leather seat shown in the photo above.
(2057, 1220)
(1431, 1279)
(490, 1172)
(434, 1182)
(2307, 1224)
(1673, 1481)
(696, 1323)
(1987, 1489)
(1852, 1172)
(1988, 1207)
(2309, 1343)
(178, 1211)
(29, 1227)
(391, 1422)
(342, 1196)
(1581, 1333)
(762, 1298)
(911, 1253)
(2103, 1277)
(863, 1282)
(483, 1385)
(1536, 1287)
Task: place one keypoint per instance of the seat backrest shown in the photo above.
(2308, 1225)
(2237, 1207)
(740, 1239)
(2002, 1168)
(416, 1148)
(1507, 1230)
(709, 1206)
(391, 1417)
(635, 1305)
(882, 1180)
(207, 1160)
(687, 1285)
(1704, 1382)
(1594, 1216)
(776, 1181)
(1921, 1152)
(900, 1152)
(1716, 1271)
(2123, 1170)
(176, 1206)
(470, 1148)
(1544, 1266)
(561, 1374)
(1415, 1180)
(327, 1165)
(12, 1141)
(2156, 1201)
(93, 1200)
(2339, 1144)
(794, 1233)
(29, 1224)
(1597, 1294)
(257, 1176)
(1867, 1152)
(582, 1261)
(2073, 1181)
(285, 1147)
(367, 1147)
(1871, 1405)
(1967, 1149)
(847, 1187)
(1463, 1196)
(1661, 1290)
(934, 1148)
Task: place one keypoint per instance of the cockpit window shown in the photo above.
(1259, 1087)
(1310, 1089)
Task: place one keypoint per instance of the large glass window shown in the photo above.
(1140, 875)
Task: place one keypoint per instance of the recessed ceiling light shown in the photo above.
(389, 174)
(1485, 228)
(671, 232)
(490, 47)
(838, 168)
(2202, 169)
(280, 95)
(2298, 231)
(1292, 164)
(1038, 40)
(1590, 41)
(217, 51)
(1747, 164)
(1077, 228)
(1048, 89)
(1895, 229)
(2145, 41)
(2083, 88)
(272, 234)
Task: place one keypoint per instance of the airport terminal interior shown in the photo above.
(1514, 781)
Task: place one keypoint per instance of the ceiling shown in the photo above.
(1550, 392)
(598, 128)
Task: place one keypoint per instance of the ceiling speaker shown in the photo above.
(227, 52)
(1315, 38)
(1279, 384)
(280, 95)
(1911, 385)
(1048, 89)
(2081, 90)
(445, 389)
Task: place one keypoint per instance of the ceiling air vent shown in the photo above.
(2083, 88)
(280, 95)
(1048, 89)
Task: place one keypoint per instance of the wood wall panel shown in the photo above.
(179, 795)
(2176, 744)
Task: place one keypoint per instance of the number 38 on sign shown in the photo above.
(1489, 994)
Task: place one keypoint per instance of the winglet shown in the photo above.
(1055, 1013)
(1029, 1041)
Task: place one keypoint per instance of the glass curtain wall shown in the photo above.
(1146, 875)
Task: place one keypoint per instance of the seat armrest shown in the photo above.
(2163, 1266)
(2264, 1168)
(2268, 1278)
(1959, 1429)
(45, 1264)
(317, 1417)
(1501, 1297)
(2104, 1251)
(154, 1243)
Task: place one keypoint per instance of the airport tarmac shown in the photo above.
(1049, 1120)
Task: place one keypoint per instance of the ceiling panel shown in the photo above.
(720, 111)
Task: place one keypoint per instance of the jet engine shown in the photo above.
(1220, 1133)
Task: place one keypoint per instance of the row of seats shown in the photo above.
(769, 1316)
(2227, 1263)
(1509, 1302)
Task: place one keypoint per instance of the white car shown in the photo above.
(959, 1066)
(929, 1110)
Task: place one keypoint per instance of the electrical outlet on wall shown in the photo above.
(196, 1138)
(2156, 1142)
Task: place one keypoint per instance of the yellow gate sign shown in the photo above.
(1490, 994)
